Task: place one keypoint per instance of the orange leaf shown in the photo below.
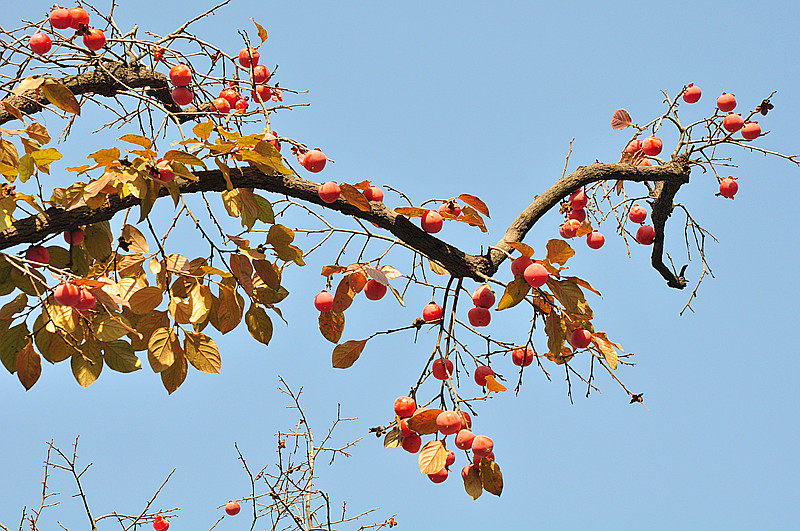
(475, 203)
(343, 297)
(523, 248)
(354, 197)
(411, 212)
(620, 120)
(346, 354)
(581, 282)
(559, 251)
(424, 422)
(493, 385)
(29, 365)
(329, 270)
(262, 33)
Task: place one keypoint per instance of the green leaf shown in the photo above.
(472, 482)
(120, 357)
(516, 290)
(12, 341)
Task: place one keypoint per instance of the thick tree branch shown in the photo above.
(461, 264)
(108, 80)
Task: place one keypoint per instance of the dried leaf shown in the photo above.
(29, 366)
(262, 33)
(354, 197)
(162, 348)
(606, 347)
(346, 354)
(556, 332)
(259, 324)
(120, 357)
(472, 482)
(87, 364)
(493, 386)
(523, 248)
(559, 251)
(393, 439)
(60, 96)
(411, 212)
(175, 375)
(491, 477)
(203, 353)
(184, 158)
(331, 324)
(583, 283)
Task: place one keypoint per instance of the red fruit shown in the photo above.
(479, 316)
(37, 253)
(260, 74)
(274, 141)
(405, 431)
(726, 102)
(450, 459)
(637, 214)
(464, 439)
(232, 508)
(691, 94)
(180, 75)
(451, 208)
(432, 313)
(95, 39)
(482, 446)
(642, 162)
(374, 290)
(79, 16)
(439, 476)
(728, 187)
(448, 422)
(432, 222)
(733, 122)
(248, 56)
(466, 420)
(373, 193)
(646, 235)
(263, 92)
(578, 199)
(476, 459)
(404, 406)
(230, 94)
(67, 294)
(182, 95)
(570, 228)
(519, 264)
(74, 237)
(165, 173)
(483, 297)
(314, 161)
(751, 130)
(60, 18)
(595, 240)
(329, 192)
(580, 338)
(536, 275)
(562, 233)
(578, 214)
(481, 373)
(87, 301)
(651, 146)
(522, 357)
(411, 443)
(160, 524)
(241, 106)
(323, 301)
(221, 105)
(40, 43)
(442, 368)
(634, 147)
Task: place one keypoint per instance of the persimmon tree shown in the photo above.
(194, 132)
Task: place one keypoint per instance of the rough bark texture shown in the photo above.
(110, 79)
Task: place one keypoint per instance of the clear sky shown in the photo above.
(441, 98)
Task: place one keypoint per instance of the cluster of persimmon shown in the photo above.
(39, 256)
(483, 298)
(61, 18)
(458, 423)
(229, 98)
(577, 215)
(432, 221)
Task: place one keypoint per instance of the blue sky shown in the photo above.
(438, 99)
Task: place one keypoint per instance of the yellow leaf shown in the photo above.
(138, 140)
(146, 300)
(432, 457)
(184, 157)
(262, 33)
(523, 248)
(259, 324)
(29, 365)
(119, 356)
(87, 364)
(60, 96)
(515, 292)
(203, 353)
(354, 197)
(161, 349)
(175, 375)
(393, 439)
(424, 422)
